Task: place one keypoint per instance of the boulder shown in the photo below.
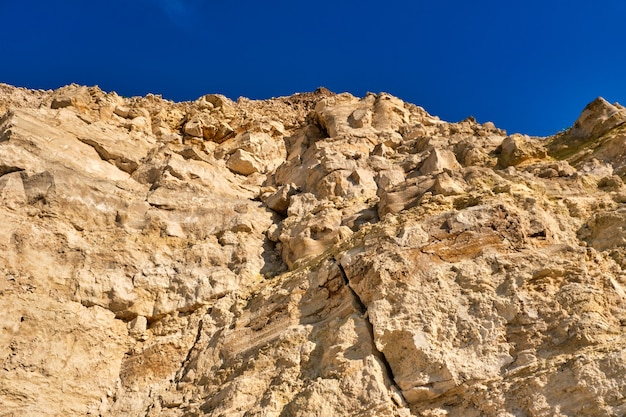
(598, 118)
(244, 163)
(438, 160)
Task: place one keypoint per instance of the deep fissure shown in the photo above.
(370, 327)
(185, 362)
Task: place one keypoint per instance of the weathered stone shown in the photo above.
(517, 149)
(60, 102)
(243, 162)
(279, 200)
(389, 113)
(138, 326)
(438, 160)
(78, 97)
(193, 128)
(403, 196)
(219, 134)
(122, 111)
(317, 254)
(597, 119)
(360, 118)
(389, 178)
(448, 185)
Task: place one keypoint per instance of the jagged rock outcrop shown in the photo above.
(312, 255)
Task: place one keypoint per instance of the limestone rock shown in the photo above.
(438, 160)
(279, 200)
(76, 96)
(517, 149)
(360, 118)
(319, 254)
(595, 143)
(259, 151)
(605, 230)
(598, 118)
(208, 127)
(243, 162)
(193, 128)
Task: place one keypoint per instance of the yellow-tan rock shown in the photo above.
(313, 255)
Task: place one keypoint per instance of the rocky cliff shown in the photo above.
(312, 255)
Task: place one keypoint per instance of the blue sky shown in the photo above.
(528, 66)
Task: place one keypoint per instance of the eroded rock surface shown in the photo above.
(312, 255)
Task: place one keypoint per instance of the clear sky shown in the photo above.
(528, 66)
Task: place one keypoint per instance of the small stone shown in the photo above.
(360, 118)
(279, 200)
(138, 326)
(174, 230)
(438, 160)
(61, 102)
(194, 128)
(244, 163)
(122, 111)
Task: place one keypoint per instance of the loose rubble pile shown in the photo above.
(312, 255)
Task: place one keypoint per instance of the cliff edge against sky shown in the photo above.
(312, 255)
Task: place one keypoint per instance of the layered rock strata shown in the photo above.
(312, 255)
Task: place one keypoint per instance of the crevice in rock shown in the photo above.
(185, 362)
(122, 163)
(380, 355)
(8, 169)
(161, 206)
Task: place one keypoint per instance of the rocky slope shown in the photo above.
(312, 255)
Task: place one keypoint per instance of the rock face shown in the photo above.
(312, 255)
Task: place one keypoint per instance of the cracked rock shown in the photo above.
(313, 255)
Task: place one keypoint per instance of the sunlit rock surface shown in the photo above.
(312, 255)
